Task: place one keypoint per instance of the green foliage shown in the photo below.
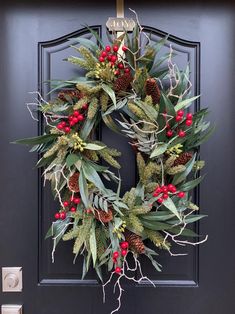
(83, 235)
(145, 122)
(93, 108)
(108, 155)
(157, 239)
(134, 224)
(104, 100)
(141, 166)
(138, 112)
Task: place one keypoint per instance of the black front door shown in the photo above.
(34, 41)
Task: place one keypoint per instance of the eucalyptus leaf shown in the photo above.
(87, 127)
(72, 159)
(92, 146)
(92, 242)
(108, 120)
(92, 175)
(37, 139)
(185, 103)
(159, 150)
(83, 188)
(168, 203)
(178, 178)
(189, 219)
(187, 186)
(110, 92)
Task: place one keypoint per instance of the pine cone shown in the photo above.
(183, 159)
(72, 93)
(135, 242)
(152, 89)
(73, 182)
(123, 82)
(103, 216)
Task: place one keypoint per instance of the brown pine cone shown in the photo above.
(123, 82)
(152, 89)
(72, 93)
(135, 242)
(183, 159)
(104, 216)
(73, 182)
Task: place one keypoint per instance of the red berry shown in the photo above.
(71, 199)
(124, 48)
(108, 48)
(189, 116)
(165, 196)
(75, 120)
(80, 117)
(117, 72)
(170, 187)
(113, 58)
(181, 133)
(173, 190)
(60, 126)
(112, 64)
(124, 245)
(67, 129)
(109, 57)
(180, 113)
(72, 123)
(181, 194)
(101, 59)
(103, 54)
(115, 255)
(57, 215)
(63, 123)
(88, 211)
(76, 113)
(73, 209)
(127, 70)
(115, 48)
(169, 133)
(66, 203)
(120, 66)
(160, 200)
(71, 117)
(118, 270)
(188, 122)
(62, 215)
(178, 118)
(158, 190)
(114, 260)
(164, 189)
(124, 252)
(76, 200)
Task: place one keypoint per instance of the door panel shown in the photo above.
(180, 271)
(34, 42)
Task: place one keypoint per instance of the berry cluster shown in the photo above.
(124, 250)
(72, 120)
(68, 206)
(179, 117)
(109, 55)
(164, 190)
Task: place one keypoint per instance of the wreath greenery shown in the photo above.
(151, 105)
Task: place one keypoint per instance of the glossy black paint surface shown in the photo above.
(32, 50)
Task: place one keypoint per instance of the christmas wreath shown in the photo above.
(151, 106)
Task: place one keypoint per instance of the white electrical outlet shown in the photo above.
(12, 279)
(11, 309)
